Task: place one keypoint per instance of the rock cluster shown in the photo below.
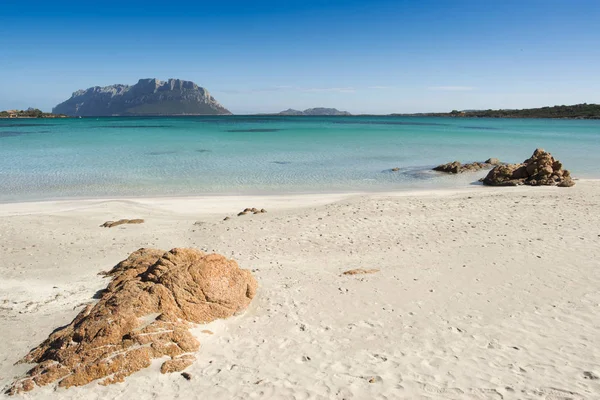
(540, 169)
(252, 211)
(144, 313)
(456, 167)
(110, 224)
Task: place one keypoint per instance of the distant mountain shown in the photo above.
(291, 111)
(147, 97)
(315, 111)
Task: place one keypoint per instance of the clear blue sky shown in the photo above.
(376, 56)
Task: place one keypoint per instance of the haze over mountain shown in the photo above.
(315, 111)
(147, 97)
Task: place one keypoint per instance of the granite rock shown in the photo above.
(146, 311)
(541, 169)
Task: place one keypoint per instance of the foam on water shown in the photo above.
(112, 157)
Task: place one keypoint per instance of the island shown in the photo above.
(148, 97)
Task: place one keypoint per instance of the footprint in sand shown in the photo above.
(486, 393)
(590, 375)
(379, 357)
(437, 390)
(557, 394)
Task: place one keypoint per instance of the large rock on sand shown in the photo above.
(144, 313)
(540, 169)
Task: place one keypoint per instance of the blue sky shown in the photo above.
(376, 56)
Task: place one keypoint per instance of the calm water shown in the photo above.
(110, 157)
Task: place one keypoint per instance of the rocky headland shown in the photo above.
(147, 97)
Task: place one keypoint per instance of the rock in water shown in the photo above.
(456, 167)
(147, 97)
(144, 313)
(451, 168)
(540, 169)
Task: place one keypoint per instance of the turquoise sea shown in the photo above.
(114, 157)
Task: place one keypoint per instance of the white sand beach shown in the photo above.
(482, 293)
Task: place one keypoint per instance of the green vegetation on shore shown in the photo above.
(577, 111)
(29, 113)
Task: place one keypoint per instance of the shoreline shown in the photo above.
(218, 203)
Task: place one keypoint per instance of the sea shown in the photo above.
(49, 159)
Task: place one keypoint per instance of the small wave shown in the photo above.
(132, 126)
(18, 125)
(481, 128)
(19, 133)
(160, 153)
(254, 130)
(348, 122)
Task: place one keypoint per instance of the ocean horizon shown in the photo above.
(108, 157)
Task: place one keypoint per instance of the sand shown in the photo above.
(482, 293)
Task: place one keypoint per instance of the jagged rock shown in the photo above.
(456, 167)
(360, 271)
(540, 169)
(145, 313)
(110, 224)
(147, 97)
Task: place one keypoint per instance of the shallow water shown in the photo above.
(112, 157)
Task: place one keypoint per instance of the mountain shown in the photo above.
(315, 112)
(147, 97)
